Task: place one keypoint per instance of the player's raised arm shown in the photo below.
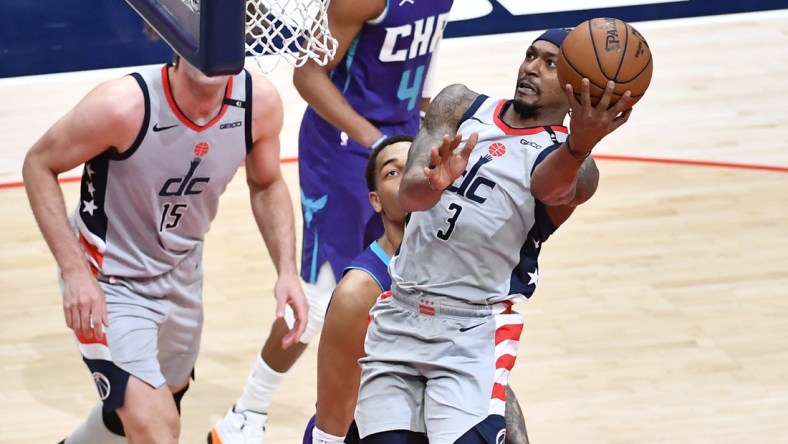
(433, 163)
(346, 18)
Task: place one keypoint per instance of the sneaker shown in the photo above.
(246, 427)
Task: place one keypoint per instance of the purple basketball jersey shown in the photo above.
(394, 50)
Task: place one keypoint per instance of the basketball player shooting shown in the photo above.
(440, 349)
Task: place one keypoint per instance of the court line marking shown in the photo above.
(667, 161)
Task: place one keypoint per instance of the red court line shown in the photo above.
(742, 166)
(76, 179)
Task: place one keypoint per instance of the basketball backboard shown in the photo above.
(207, 33)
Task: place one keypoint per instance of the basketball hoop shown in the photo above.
(295, 30)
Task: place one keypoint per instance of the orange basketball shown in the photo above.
(603, 49)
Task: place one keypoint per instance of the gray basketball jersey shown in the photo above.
(479, 243)
(143, 211)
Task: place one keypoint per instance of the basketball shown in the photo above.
(603, 49)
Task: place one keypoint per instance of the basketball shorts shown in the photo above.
(334, 195)
(154, 331)
(435, 365)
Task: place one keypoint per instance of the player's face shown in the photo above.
(198, 78)
(537, 81)
(388, 170)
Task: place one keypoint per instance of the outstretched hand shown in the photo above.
(589, 123)
(287, 291)
(445, 165)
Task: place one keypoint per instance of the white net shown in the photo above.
(295, 30)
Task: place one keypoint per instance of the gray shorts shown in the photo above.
(435, 366)
(154, 332)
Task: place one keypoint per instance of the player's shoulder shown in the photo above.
(117, 100)
(118, 91)
(456, 98)
(264, 92)
(356, 287)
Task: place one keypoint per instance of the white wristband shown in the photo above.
(377, 143)
(321, 437)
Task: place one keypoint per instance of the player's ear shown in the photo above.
(375, 201)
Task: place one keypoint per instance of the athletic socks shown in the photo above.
(94, 431)
(260, 387)
(321, 437)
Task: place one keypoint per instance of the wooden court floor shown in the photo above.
(661, 314)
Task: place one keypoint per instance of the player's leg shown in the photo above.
(330, 242)
(391, 391)
(149, 414)
(99, 427)
(515, 422)
(249, 415)
(105, 426)
(159, 349)
(466, 394)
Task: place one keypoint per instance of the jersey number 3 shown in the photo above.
(452, 221)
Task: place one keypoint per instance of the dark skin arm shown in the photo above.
(562, 181)
(432, 162)
(341, 346)
(555, 180)
(515, 422)
(345, 20)
(585, 187)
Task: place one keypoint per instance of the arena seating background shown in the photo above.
(50, 36)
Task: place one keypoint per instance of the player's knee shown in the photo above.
(154, 419)
(143, 423)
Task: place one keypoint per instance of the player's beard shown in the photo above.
(526, 110)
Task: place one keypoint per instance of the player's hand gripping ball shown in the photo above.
(603, 49)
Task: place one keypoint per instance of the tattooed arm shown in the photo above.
(515, 422)
(585, 187)
(432, 162)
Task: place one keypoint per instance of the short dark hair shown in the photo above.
(373, 158)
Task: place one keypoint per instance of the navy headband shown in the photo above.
(555, 36)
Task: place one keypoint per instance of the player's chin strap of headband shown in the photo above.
(555, 36)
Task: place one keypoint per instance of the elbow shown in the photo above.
(552, 196)
(30, 166)
(304, 76)
(409, 201)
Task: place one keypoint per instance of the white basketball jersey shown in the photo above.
(141, 212)
(480, 242)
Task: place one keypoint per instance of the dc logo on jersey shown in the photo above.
(472, 183)
(180, 186)
(500, 438)
(102, 384)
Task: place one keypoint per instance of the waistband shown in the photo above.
(433, 305)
